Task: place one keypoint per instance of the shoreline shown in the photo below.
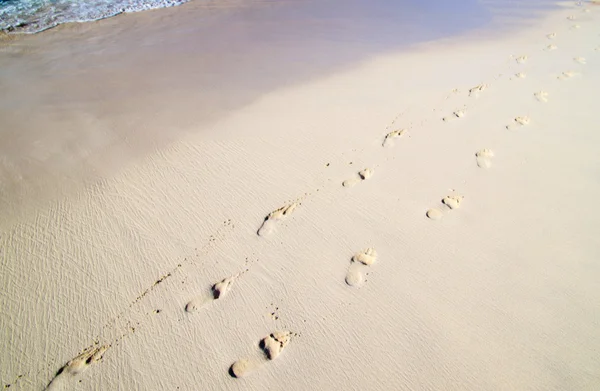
(498, 294)
(96, 84)
(106, 95)
(26, 27)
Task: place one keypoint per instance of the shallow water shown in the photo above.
(31, 16)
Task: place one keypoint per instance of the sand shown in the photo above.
(239, 260)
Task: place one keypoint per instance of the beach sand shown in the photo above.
(423, 220)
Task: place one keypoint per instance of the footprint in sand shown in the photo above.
(434, 214)
(217, 291)
(551, 47)
(580, 60)
(520, 75)
(551, 36)
(450, 202)
(541, 96)
(566, 75)
(362, 176)
(453, 201)
(270, 223)
(474, 92)
(457, 114)
(354, 276)
(518, 122)
(389, 138)
(272, 346)
(77, 365)
(575, 27)
(571, 17)
(521, 59)
(484, 158)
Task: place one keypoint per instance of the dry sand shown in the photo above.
(242, 254)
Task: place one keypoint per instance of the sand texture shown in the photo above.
(426, 220)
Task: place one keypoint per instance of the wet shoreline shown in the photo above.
(29, 17)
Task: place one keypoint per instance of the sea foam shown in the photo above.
(32, 16)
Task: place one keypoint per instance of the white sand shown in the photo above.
(500, 293)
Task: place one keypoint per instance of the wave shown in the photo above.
(33, 16)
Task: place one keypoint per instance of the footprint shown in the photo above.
(84, 360)
(457, 114)
(551, 47)
(551, 36)
(484, 158)
(580, 60)
(542, 96)
(367, 257)
(270, 223)
(217, 291)
(434, 214)
(365, 174)
(272, 346)
(571, 17)
(477, 89)
(243, 367)
(362, 176)
(575, 27)
(77, 365)
(522, 59)
(389, 138)
(453, 201)
(518, 122)
(520, 75)
(566, 75)
(350, 182)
